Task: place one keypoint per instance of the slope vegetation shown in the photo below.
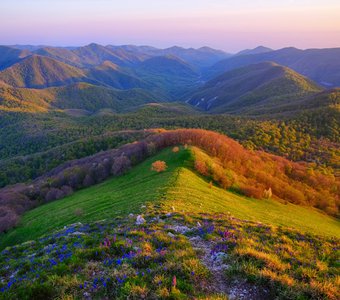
(178, 186)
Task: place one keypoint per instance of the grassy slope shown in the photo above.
(184, 190)
(191, 193)
(115, 197)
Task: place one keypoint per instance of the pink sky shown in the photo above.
(229, 25)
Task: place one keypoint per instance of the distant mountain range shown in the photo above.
(321, 65)
(93, 77)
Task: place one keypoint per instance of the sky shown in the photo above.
(230, 25)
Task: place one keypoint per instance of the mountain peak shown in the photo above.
(257, 50)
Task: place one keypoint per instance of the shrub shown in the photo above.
(120, 165)
(8, 218)
(79, 212)
(159, 166)
(54, 194)
(175, 149)
(252, 191)
(88, 181)
(201, 168)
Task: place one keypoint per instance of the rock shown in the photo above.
(171, 235)
(180, 229)
(195, 239)
(77, 233)
(140, 220)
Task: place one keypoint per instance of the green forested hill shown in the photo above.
(255, 89)
(81, 96)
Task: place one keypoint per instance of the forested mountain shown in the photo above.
(321, 65)
(39, 72)
(259, 88)
(111, 75)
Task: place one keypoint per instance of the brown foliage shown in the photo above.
(252, 191)
(201, 168)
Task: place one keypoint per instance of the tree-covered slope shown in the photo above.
(39, 72)
(257, 89)
(81, 96)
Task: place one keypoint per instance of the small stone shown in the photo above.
(140, 220)
(77, 233)
(171, 235)
(180, 229)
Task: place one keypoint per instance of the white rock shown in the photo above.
(218, 257)
(140, 220)
(77, 233)
(180, 229)
(171, 235)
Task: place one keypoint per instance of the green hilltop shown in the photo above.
(178, 186)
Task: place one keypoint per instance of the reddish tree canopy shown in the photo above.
(159, 166)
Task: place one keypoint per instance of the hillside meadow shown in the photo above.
(189, 228)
